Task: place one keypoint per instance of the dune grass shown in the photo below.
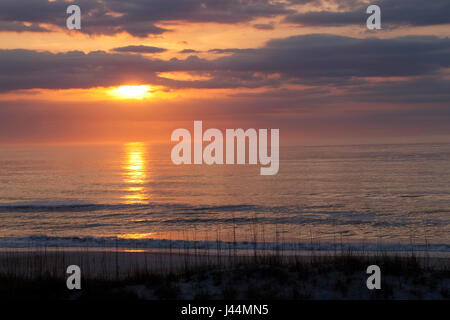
(202, 276)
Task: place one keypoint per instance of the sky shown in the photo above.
(138, 69)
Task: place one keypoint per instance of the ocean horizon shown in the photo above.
(354, 197)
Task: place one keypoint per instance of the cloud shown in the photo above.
(323, 56)
(139, 49)
(393, 13)
(31, 69)
(227, 50)
(21, 27)
(143, 18)
(137, 17)
(189, 51)
(264, 26)
(318, 60)
(414, 91)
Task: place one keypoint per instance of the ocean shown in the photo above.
(355, 197)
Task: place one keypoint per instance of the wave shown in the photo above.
(60, 206)
(63, 206)
(179, 208)
(45, 241)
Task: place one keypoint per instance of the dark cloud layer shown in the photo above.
(322, 55)
(136, 17)
(318, 60)
(21, 27)
(189, 51)
(139, 49)
(393, 12)
(414, 91)
(264, 26)
(141, 18)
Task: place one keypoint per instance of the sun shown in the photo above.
(132, 92)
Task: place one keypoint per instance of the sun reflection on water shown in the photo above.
(135, 173)
(136, 235)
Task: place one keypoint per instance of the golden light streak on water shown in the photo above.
(135, 173)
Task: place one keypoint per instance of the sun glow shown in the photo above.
(136, 235)
(132, 92)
